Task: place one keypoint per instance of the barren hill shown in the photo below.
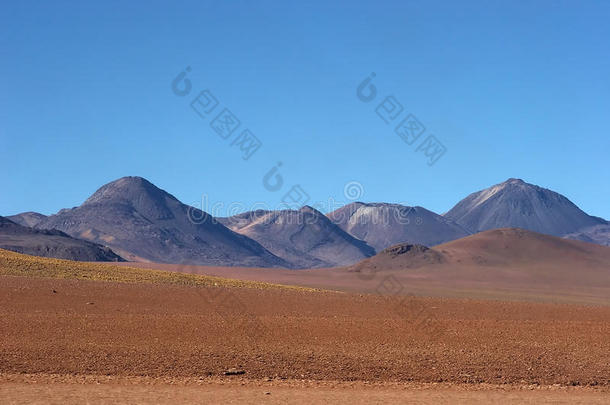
(306, 238)
(517, 204)
(509, 247)
(143, 222)
(29, 218)
(382, 225)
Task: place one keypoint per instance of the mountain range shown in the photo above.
(306, 237)
(141, 222)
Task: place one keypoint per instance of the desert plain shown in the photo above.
(75, 332)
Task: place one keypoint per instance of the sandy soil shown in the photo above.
(43, 389)
(156, 330)
(92, 333)
(78, 332)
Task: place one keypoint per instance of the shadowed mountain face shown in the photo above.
(305, 238)
(145, 223)
(30, 219)
(51, 243)
(383, 225)
(518, 204)
(599, 234)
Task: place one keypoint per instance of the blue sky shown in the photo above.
(510, 90)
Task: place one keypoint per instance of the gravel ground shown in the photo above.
(76, 327)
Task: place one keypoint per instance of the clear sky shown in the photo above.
(510, 89)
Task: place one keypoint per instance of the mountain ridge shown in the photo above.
(145, 223)
(305, 237)
(142, 222)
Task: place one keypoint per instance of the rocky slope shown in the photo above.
(599, 234)
(142, 222)
(515, 203)
(382, 225)
(305, 237)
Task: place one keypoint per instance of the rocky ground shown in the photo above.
(66, 389)
(82, 332)
(79, 327)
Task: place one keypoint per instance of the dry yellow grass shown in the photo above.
(17, 264)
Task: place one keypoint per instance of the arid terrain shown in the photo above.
(306, 202)
(502, 264)
(140, 333)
